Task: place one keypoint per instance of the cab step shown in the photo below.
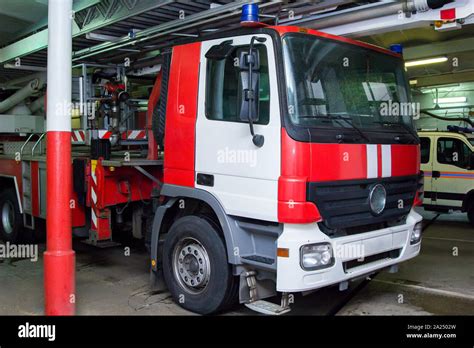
(269, 308)
(259, 259)
(262, 306)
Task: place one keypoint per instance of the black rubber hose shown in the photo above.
(463, 119)
(434, 4)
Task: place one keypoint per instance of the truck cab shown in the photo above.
(289, 165)
(447, 160)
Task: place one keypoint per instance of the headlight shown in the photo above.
(416, 233)
(316, 256)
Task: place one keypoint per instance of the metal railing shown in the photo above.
(39, 141)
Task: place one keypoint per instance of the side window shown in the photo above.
(222, 88)
(453, 151)
(425, 145)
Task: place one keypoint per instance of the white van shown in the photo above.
(447, 159)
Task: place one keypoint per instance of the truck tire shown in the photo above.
(11, 222)
(470, 213)
(195, 266)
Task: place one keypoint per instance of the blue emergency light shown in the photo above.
(249, 14)
(397, 48)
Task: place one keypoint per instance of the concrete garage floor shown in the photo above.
(111, 283)
(436, 282)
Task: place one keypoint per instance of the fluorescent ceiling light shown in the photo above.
(101, 37)
(450, 100)
(442, 88)
(426, 61)
(448, 85)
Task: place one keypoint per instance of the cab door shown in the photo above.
(242, 176)
(428, 152)
(452, 175)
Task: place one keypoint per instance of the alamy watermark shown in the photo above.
(397, 109)
(87, 108)
(233, 156)
(350, 251)
(28, 330)
(19, 251)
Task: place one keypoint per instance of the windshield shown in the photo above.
(331, 84)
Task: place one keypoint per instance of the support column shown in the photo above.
(59, 258)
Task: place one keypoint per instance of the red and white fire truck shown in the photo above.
(263, 166)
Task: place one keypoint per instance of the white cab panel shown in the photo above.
(245, 176)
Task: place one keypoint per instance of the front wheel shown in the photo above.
(195, 266)
(470, 213)
(11, 223)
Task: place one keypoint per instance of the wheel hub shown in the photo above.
(8, 217)
(191, 265)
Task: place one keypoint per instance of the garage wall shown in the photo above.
(447, 110)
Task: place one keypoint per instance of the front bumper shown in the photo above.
(291, 277)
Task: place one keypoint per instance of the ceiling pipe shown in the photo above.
(37, 104)
(367, 12)
(463, 119)
(24, 67)
(351, 15)
(19, 109)
(20, 81)
(425, 5)
(20, 95)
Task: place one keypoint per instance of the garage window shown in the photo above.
(454, 152)
(222, 88)
(425, 144)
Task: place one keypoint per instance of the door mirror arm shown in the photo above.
(257, 139)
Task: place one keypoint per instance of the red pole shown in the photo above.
(59, 258)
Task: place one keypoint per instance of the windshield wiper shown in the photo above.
(401, 124)
(337, 118)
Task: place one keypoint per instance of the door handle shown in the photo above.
(205, 179)
(436, 174)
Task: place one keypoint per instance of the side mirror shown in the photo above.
(221, 51)
(249, 63)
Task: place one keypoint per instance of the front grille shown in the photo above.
(386, 255)
(345, 204)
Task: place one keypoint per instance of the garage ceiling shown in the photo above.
(18, 15)
(27, 39)
(421, 36)
(426, 42)
(24, 32)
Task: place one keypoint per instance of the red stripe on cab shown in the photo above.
(181, 112)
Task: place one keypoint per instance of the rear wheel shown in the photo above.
(11, 223)
(195, 266)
